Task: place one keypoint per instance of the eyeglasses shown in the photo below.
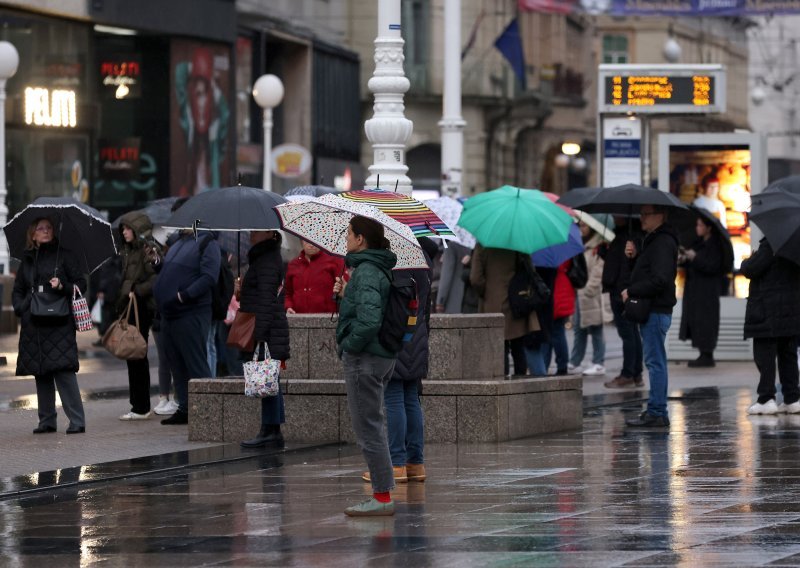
(44, 229)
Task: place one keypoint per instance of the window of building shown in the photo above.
(416, 33)
(615, 49)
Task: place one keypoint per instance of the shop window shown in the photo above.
(615, 49)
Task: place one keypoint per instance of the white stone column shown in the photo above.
(389, 130)
(452, 124)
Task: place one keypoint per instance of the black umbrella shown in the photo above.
(789, 184)
(578, 197)
(777, 214)
(310, 191)
(627, 199)
(79, 228)
(158, 211)
(235, 208)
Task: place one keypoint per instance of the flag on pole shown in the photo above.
(509, 43)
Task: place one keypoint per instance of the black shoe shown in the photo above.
(44, 429)
(705, 360)
(265, 437)
(76, 430)
(647, 420)
(178, 418)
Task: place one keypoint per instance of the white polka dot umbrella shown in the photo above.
(323, 222)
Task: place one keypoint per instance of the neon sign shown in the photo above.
(56, 108)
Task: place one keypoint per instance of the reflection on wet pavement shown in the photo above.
(719, 489)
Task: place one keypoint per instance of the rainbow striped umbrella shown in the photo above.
(406, 210)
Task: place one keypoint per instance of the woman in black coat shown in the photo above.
(705, 268)
(47, 346)
(262, 294)
(772, 319)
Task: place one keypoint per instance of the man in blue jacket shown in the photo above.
(182, 291)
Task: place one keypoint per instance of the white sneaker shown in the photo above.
(170, 408)
(134, 416)
(595, 371)
(768, 407)
(162, 401)
(793, 408)
(574, 369)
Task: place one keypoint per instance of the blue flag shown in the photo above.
(510, 45)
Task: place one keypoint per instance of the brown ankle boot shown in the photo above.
(415, 471)
(619, 382)
(400, 475)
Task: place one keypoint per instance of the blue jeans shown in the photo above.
(579, 341)
(405, 422)
(654, 336)
(631, 341)
(558, 345)
(185, 341)
(536, 360)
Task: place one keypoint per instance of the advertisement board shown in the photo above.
(622, 151)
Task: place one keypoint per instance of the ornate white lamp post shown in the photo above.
(268, 93)
(9, 61)
(389, 130)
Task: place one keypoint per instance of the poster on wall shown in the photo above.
(119, 158)
(200, 141)
(622, 151)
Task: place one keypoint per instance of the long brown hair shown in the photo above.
(371, 230)
(30, 244)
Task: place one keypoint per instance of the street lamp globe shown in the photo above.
(9, 60)
(268, 91)
(672, 50)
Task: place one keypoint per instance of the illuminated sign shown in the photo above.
(44, 107)
(122, 76)
(661, 88)
(290, 160)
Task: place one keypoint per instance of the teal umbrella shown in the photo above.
(524, 220)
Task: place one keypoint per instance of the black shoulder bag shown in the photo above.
(48, 303)
(527, 292)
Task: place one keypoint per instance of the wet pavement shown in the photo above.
(719, 489)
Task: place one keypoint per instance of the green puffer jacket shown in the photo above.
(137, 271)
(364, 302)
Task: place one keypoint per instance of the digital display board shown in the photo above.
(662, 89)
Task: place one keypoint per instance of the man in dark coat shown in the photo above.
(183, 294)
(705, 268)
(616, 278)
(772, 319)
(653, 279)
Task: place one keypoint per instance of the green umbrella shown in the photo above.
(524, 220)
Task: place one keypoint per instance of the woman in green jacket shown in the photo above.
(368, 366)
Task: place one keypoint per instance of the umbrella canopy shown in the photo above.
(79, 228)
(323, 222)
(235, 208)
(687, 234)
(554, 198)
(789, 184)
(524, 220)
(578, 196)
(158, 211)
(404, 209)
(310, 191)
(777, 214)
(449, 210)
(627, 199)
(554, 256)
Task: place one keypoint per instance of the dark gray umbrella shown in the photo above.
(777, 214)
(235, 208)
(789, 184)
(685, 225)
(78, 228)
(310, 191)
(578, 196)
(627, 199)
(158, 211)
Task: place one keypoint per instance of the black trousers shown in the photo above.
(766, 350)
(517, 348)
(139, 369)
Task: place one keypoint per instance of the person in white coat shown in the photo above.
(588, 318)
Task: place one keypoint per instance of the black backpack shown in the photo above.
(400, 318)
(222, 293)
(527, 292)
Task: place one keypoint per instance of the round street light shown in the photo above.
(268, 93)
(9, 60)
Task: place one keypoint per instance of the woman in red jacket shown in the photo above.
(309, 280)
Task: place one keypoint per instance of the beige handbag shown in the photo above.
(124, 340)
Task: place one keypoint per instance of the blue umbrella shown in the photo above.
(554, 256)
